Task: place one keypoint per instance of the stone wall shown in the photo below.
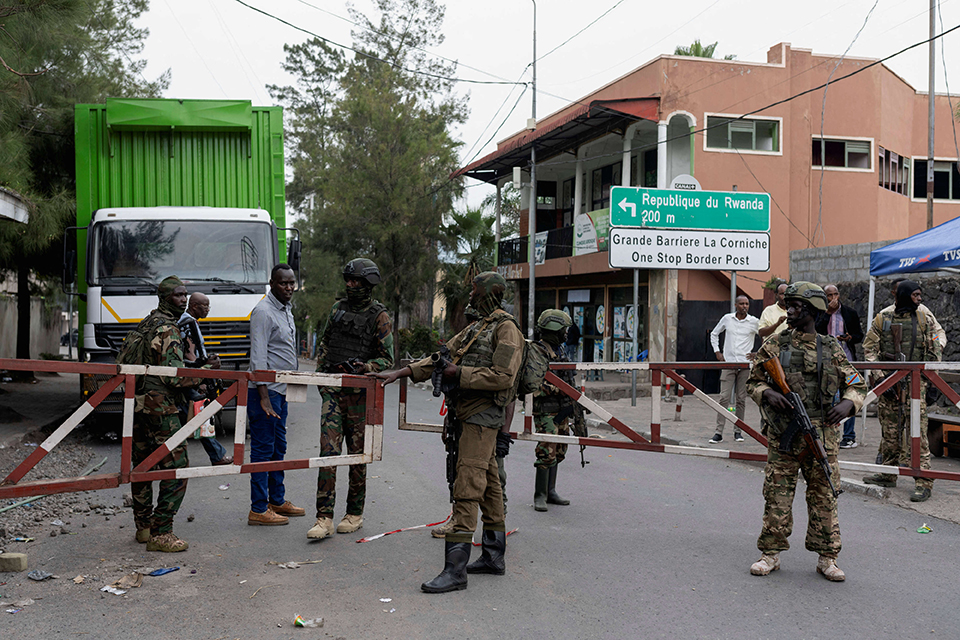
(839, 263)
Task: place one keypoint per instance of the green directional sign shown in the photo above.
(679, 209)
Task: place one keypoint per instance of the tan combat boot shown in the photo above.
(143, 535)
(443, 530)
(768, 562)
(827, 567)
(350, 523)
(322, 529)
(167, 543)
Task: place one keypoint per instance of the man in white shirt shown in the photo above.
(773, 320)
(741, 330)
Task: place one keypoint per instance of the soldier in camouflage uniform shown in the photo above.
(817, 370)
(548, 402)
(358, 338)
(156, 418)
(485, 362)
(918, 342)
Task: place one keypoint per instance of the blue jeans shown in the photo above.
(268, 443)
(213, 448)
(849, 429)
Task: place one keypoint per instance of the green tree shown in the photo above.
(509, 209)
(55, 53)
(372, 166)
(697, 50)
(472, 231)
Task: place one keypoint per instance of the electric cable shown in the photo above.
(237, 51)
(369, 55)
(195, 50)
(584, 29)
(946, 82)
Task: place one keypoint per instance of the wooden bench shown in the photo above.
(943, 432)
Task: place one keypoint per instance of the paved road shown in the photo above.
(652, 546)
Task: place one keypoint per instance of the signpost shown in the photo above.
(687, 249)
(705, 210)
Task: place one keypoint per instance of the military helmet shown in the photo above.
(553, 320)
(362, 269)
(807, 292)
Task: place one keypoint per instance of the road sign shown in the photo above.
(706, 210)
(683, 249)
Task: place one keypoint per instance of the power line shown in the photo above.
(492, 119)
(582, 30)
(369, 55)
(774, 200)
(237, 49)
(946, 82)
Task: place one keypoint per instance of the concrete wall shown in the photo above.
(837, 263)
(46, 326)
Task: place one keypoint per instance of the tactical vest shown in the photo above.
(554, 402)
(480, 354)
(353, 334)
(817, 390)
(918, 351)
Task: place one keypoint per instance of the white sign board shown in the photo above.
(685, 183)
(639, 248)
(540, 247)
(584, 235)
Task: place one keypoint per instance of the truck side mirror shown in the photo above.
(293, 254)
(69, 276)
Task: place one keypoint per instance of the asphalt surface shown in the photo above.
(653, 546)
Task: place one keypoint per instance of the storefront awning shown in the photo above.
(565, 134)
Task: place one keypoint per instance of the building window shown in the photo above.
(946, 179)
(893, 171)
(745, 134)
(603, 179)
(842, 154)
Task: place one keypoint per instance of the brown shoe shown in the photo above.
(167, 543)
(224, 460)
(286, 509)
(266, 518)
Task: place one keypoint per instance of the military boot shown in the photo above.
(552, 496)
(881, 480)
(768, 562)
(443, 530)
(540, 489)
(827, 567)
(491, 557)
(454, 574)
(920, 494)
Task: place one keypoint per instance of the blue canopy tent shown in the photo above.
(936, 249)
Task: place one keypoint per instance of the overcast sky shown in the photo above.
(221, 49)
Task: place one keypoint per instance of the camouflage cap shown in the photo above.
(807, 292)
(167, 286)
(553, 320)
(490, 282)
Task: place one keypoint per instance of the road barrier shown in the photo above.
(672, 370)
(236, 383)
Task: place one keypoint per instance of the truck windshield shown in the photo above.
(234, 251)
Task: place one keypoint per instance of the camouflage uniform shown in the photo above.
(487, 373)
(343, 416)
(780, 473)
(548, 401)
(156, 416)
(894, 413)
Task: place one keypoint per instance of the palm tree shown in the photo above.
(472, 233)
(697, 50)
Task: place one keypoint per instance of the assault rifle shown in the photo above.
(578, 426)
(354, 366)
(451, 426)
(800, 422)
(190, 330)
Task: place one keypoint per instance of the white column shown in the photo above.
(662, 180)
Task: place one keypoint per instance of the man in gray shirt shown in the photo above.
(272, 348)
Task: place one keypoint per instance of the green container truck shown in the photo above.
(193, 188)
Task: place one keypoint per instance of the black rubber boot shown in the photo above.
(454, 575)
(540, 489)
(491, 558)
(552, 496)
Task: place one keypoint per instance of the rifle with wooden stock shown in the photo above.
(800, 423)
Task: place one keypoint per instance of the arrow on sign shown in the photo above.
(633, 207)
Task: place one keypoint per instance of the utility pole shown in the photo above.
(931, 82)
(532, 210)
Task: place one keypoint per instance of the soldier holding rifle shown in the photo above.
(485, 360)
(902, 332)
(797, 377)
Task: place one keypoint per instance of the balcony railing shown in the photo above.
(559, 245)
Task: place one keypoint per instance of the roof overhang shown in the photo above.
(12, 206)
(563, 135)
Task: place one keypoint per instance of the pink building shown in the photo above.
(679, 115)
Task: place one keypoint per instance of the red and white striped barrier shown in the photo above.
(297, 385)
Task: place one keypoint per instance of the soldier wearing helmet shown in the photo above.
(903, 331)
(486, 358)
(548, 403)
(817, 370)
(358, 339)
